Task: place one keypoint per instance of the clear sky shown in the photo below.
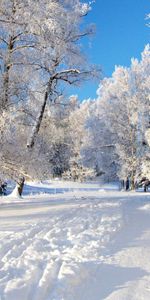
(121, 33)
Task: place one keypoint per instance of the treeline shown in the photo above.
(44, 133)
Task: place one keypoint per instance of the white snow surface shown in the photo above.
(78, 245)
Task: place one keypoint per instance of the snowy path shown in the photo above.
(131, 252)
(90, 246)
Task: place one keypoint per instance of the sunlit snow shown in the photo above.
(86, 243)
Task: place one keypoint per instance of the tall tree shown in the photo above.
(124, 100)
(61, 59)
(39, 51)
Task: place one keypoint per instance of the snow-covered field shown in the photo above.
(87, 243)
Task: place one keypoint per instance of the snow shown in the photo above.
(14, 193)
(87, 242)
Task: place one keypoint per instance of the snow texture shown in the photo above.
(84, 244)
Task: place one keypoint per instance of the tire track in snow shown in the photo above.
(42, 259)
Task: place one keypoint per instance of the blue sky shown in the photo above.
(121, 33)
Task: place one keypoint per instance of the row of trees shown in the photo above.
(40, 51)
(111, 134)
(42, 132)
(119, 123)
(107, 137)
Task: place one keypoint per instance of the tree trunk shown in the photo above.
(20, 185)
(35, 130)
(132, 184)
(6, 88)
(145, 188)
(6, 73)
(127, 184)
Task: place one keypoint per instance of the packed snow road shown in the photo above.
(75, 246)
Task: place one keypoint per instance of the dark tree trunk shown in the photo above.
(20, 185)
(145, 188)
(38, 121)
(6, 88)
(39, 118)
(127, 184)
(6, 73)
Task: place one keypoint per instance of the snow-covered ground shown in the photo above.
(87, 243)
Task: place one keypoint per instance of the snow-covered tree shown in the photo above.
(39, 51)
(64, 130)
(144, 111)
(17, 162)
(97, 150)
(60, 60)
(55, 130)
(123, 102)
